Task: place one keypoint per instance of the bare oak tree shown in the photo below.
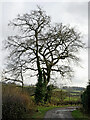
(61, 43)
(24, 47)
(41, 47)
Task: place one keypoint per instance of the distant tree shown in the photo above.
(41, 47)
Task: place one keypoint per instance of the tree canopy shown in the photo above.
(41, 47)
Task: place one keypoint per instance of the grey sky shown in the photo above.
(73, 13)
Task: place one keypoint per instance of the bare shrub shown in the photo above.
(15, 103)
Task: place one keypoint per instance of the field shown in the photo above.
(60, 96)
(65, 96)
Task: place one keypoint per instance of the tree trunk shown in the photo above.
(22, 78)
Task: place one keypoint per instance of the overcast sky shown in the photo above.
(73, 13)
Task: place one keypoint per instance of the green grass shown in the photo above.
(78, 115)
(76, 91)
(42, 110)
(40, 113)
(58, 89)
(72, 98)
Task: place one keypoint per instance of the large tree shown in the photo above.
(42, 47)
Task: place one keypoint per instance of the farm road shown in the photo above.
(60, 114)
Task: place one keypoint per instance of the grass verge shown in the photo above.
(43, 109)
(78, 115)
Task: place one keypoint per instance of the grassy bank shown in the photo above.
(78, 115)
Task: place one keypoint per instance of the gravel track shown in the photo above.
(60, 114)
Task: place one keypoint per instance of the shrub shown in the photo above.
(15, 103)
(86, 99)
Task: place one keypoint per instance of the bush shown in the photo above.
(56, 101)
(15, 103)
(60, 95)
(85, 97)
